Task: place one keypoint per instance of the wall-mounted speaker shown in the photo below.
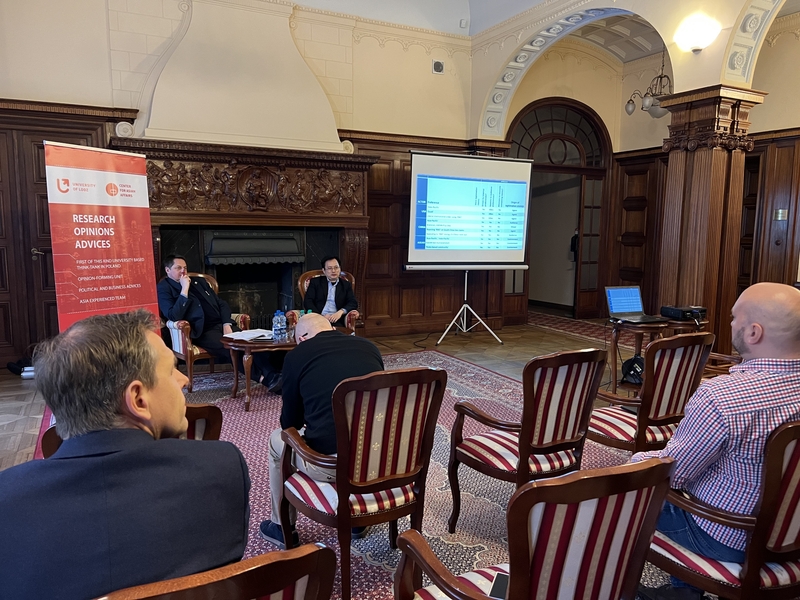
(438, 67)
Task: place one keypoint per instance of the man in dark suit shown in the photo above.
(121, 503)
(181, 297)
(331, 296)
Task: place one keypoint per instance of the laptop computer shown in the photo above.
(625, 304)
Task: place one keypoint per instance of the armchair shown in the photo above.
(180, 334)
(305, 573)
(583, 535)
(385, 423)
(558, 392)
(350, 318)
(672, 371)
(771, 567)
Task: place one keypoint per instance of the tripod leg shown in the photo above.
(462, 310)
(467, 306)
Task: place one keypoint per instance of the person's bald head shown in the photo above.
(310, 325)
(766, 321)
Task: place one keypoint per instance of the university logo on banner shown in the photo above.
(100, 229)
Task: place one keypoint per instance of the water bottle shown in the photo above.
(276, 326)
(282, 324)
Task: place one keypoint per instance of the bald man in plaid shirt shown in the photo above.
(719, 444)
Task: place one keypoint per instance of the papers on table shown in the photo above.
(251, 335)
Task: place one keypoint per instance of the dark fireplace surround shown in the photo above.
(255, 218)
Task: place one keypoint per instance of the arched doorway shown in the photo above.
(571, 151)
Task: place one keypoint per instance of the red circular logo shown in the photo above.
(112, 189)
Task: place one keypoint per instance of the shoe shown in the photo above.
(356, 533)
(273, 533)
(670, 592)
(14, 368)
(275, 383)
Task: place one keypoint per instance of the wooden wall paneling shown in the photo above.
(13, 258)
(412, 301)
(670, 217)
(792, 244)
(748, 237)
(730, 248)
(772, 260)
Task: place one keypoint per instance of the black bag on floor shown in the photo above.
(632, 370)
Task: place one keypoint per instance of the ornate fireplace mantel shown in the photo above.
(205, 184)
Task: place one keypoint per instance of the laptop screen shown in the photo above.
(623, 300)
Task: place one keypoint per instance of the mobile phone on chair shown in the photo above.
(499, 587)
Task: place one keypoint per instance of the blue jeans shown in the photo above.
(679, 526)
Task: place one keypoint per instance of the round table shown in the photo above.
(248, 348)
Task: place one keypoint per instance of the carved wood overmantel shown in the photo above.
(701, 214)
(216, 185)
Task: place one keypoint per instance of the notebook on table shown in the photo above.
(625, 304)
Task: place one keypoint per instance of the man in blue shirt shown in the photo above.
(333, 296)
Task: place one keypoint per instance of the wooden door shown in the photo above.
(37, 254)
(14, 337)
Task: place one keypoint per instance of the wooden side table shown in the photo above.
(655, 330)
(248, 348)
(679, 327)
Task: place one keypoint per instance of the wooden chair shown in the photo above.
(583, 535)
(771, 567)
(205, 423)
(181, 336)
(350, 319)
(305, 573)
(558, 392)
(385, 423)
(672, 371)
(720, 364)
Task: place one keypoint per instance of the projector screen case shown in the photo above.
(468, 212)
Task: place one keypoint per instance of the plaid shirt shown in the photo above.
(719, 444)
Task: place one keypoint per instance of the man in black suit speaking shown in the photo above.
(332, 297)
(120, 503)
(181, 297)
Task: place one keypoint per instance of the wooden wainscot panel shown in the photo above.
(442, 301)
(380, 220)
(380, 176)
(379, 262)
(4, 276)
(6, 330)
(412, 301)
(379, 301)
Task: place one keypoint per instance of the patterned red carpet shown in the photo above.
(480, 539)
(590, 330)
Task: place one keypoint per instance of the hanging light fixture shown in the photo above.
(660, 85)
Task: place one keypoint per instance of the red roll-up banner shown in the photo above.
(100, 230)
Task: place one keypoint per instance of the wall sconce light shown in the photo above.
(696, 32)
(660, 85)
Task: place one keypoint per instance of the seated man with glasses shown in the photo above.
(331, 297)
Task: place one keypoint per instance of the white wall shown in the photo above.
(55, 51)
(553, 219)
(776, 73)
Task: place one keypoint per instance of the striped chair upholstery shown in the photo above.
(772, 556)
(385, 423)
(672, 371)
(558, 391)
(583, 535)
(181, 336)
(305, 573)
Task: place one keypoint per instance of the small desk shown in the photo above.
(679, 327)
(249, 348)
(655, 330)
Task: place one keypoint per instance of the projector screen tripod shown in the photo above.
(462, 314)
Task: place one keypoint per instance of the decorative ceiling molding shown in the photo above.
(646, 68)
(782, 25)
(749, 33)
(541, 35)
